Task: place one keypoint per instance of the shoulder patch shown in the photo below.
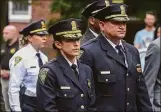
(17, 60)
(42, 74)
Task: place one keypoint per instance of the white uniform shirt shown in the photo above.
(24, 69)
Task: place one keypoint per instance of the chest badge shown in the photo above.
(138, 68)
(89, 83)
(13, 50)
(2, 51)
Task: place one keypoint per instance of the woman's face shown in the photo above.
(158, 32)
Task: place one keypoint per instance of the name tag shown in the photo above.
(64, 87)
(32, 66)
(105, 72)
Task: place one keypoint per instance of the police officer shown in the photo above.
(11, 45)
(65, 84)
(119, 82)
(93, 27)
(24, 66)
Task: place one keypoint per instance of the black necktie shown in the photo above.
(120, 52)
(39, 59)
(74, 67)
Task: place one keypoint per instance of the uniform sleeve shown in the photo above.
(143, 101)
(151, 71)
(86, 58)
(46, 92)
(17, 72)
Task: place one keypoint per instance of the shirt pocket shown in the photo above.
(106, 84)
(32, 71)
(65, 93)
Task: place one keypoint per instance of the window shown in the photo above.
(19, 11)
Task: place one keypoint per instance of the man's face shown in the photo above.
(113, 29)
(94, 23)
(38, 41)
(9, 33)
(149, 20)
(70, 48)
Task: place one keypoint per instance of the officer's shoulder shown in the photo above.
(131, 47)
(21, 53)
(50, 63)
(89, 43)
(85, 66)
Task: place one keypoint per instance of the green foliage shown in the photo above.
(69, 8)
(138, 8)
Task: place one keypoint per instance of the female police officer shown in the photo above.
(24, 66)
(65, 84)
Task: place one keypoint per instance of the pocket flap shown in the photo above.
(106, 78)
(65, 94)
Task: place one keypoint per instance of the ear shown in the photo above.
(101, 25)
(58, 44)
(29, 38)
(91, 20)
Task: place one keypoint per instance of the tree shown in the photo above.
(69, 8)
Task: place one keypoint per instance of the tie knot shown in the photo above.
(38, 54)
(74, 66)
(118, 47)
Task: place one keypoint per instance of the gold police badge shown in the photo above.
(138, 68)
(89, 83)
(13, 50)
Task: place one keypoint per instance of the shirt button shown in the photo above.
(127, 74)
(65, 95)
(82, 95)
(128, 89)
(106, 80)
(82, 106)
(127, 103)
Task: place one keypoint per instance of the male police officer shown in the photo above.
(116, 66)
(93, 27)
(11, 45)
(65, 84)
(24, 66)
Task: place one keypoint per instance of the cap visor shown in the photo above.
(120, 19)
(41, 33)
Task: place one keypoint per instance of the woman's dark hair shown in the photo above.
(156, 30)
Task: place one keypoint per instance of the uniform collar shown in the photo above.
(32, 49)
(75, 61)
(112, 44)
(94, 33)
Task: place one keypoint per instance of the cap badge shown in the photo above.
(107, 3)
(43, 24)
(74, 25)
(122, 10)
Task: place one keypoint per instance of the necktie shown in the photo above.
(74, 67)
(39, 59)
(120, 52)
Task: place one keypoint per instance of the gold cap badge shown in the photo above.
(43, 24)
(107, 3)
(122, 10)
(74, 25)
